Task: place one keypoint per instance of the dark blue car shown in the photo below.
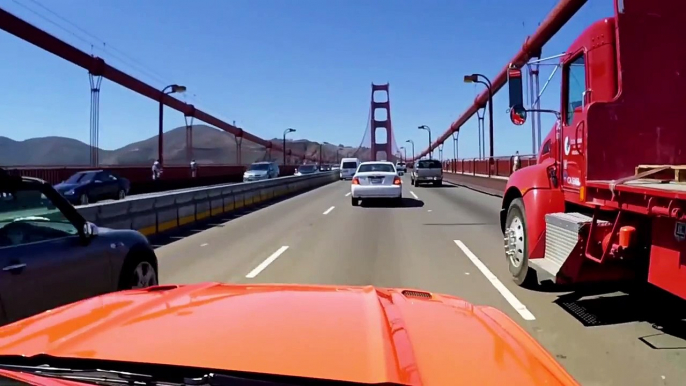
(93, 185)
(51, 256)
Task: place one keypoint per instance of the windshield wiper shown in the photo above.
(96, 375)
(212, 379)
(87, 375)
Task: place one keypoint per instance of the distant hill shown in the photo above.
(210, 146)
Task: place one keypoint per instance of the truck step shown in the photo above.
(562, 240)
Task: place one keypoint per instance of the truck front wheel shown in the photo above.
(516, 246)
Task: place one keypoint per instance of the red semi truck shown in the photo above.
(607, 199)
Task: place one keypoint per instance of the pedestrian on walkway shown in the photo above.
(516, 162)
(156, 170)
(194, 168)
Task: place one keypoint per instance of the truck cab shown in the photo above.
(585, 211)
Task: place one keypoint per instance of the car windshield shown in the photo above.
(26, 215)
(307, 168)
(81, 177)
(429, 164)
(259, 167)
(252, 242)
(376, 168)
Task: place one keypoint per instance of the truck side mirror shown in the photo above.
(517, 109)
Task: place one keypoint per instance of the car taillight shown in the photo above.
(356, 181)
(397, 181)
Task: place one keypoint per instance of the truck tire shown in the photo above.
(516, 244)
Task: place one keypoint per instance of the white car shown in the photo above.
(378, 179)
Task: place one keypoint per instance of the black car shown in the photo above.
(91, 186)
(51, 256)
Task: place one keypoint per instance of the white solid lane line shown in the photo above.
(414, 195)
(347, 194)
(514, 302)
(328, 210)
(266, 263)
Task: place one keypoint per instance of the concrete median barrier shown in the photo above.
(159, 213)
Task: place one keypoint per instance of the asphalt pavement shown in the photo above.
(445, 240)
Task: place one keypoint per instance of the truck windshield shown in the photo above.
(429, 164)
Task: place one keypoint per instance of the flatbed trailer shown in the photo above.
(607, 199)
(663, 202)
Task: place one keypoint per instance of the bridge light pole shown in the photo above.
(456, 136)
(171, 89)
(428, 129)
(411, 142)
(474, 78)
(289, 130)
(404, 149)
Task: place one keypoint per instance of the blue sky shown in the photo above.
(272, 64)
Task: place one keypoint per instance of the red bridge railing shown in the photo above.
(502, 167)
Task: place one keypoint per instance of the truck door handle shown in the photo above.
(14, 267)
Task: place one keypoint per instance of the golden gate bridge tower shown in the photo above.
(380, 117)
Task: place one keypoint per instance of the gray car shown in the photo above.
(51, 256)
(259, 171)
(306, 169)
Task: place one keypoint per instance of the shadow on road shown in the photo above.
(666, 313)
(382, 203)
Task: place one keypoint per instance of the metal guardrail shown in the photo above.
(155, 214)
(479, 175)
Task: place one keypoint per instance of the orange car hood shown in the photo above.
(360, 334)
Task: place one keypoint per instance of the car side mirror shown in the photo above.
(90, 230)
(401, 173)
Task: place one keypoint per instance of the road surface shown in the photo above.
(444, 240)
